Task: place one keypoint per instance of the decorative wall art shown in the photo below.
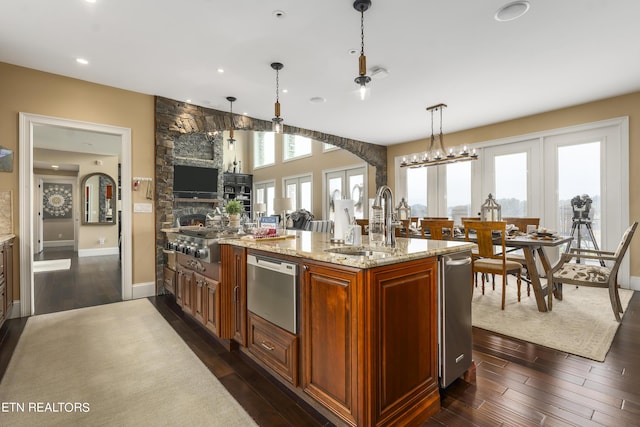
(57, 200)
(6, 160)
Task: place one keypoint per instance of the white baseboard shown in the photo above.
(634, 283)
(98, 252)
(143, 290)
(57, 243)
(14, 311)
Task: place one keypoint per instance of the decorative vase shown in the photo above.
(234, 220)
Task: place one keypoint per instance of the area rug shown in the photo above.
(51, 265)
(582, 323)
(115, 364)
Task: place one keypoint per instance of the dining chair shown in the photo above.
(364, 225)
(404, 230)
(322, 226)
(491, 255)
(439, 229)
(518, 256)
(593, 275)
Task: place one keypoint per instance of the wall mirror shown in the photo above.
(98, 199)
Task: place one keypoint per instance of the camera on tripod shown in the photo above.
(581, 205)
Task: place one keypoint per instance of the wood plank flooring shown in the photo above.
(90, 281)
(518, 383)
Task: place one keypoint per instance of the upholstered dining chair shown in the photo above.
(491, 255)
(439, 229)
(593, 275)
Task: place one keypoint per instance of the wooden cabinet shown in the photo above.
(6, 279)
(183, 295)
(212, 313)
(331, 350)
(234, 260)
(169, 280)
(275, 347)
(199, 291)
(369, 337)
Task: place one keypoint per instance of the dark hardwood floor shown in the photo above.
(518, 383)
(90, 281)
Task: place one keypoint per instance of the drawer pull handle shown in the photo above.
(267, 346)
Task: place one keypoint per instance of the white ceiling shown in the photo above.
(560, 53)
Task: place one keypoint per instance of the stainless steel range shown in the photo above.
(200, 243)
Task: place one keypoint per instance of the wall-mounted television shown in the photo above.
(195, 182)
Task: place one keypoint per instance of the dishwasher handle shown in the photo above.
(457, 261)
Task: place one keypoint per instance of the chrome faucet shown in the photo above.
(389, 222)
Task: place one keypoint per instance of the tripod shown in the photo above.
(577, 225)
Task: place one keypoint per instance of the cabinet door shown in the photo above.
(199, 297)
(330, 338)
(239, 306)
(169, 280)
(212, 306)
(403, 319)
(184, 285)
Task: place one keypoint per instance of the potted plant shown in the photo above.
(233, 208)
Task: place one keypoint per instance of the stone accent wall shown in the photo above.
(192, 135)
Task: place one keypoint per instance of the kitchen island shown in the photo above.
(366, 348)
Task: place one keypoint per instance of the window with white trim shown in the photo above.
(264, 149)
(295, 146)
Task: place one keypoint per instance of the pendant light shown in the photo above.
(436, 153)
(231, 141)
(277, 124)
(362, 79)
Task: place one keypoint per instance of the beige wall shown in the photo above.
(35, 92)
(626, 105)
(316, 164)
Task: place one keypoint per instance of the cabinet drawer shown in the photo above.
(169, 280)
(275, 347)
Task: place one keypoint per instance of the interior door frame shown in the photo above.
(27, 122)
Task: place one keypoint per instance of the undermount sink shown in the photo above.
(359, 251)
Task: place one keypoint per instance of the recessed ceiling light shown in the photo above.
(245, 114)
(278, 14)
(353, 51)
(220, 70)
(54, 166)
(188, 100)
(90, 1)
(285, 90)
(511, 11)
(317, 100)
(82, 61)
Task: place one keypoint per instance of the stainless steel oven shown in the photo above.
(272, 291)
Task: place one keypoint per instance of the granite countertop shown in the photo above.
(310, 245)
(6, 237)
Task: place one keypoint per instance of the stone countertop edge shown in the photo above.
(313, 245)
(6, 237)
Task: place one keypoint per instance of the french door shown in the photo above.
(350, 183)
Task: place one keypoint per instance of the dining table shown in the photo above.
(530, 245)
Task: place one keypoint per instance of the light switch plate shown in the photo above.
(143, 207)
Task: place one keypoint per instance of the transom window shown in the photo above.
(295, 146)
(263, 149)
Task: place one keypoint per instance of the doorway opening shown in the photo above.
(120, 144)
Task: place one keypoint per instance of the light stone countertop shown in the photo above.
(310, 245)
(6, 237)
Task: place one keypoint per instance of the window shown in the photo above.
(329, 147)
(416, 183)
(511, 184)
(265, 193)
(346, 184)
(300, 190)
(458, 191)
(295, 146)
(263, 149)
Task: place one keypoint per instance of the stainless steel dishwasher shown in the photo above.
(454, 316)
(272, 291)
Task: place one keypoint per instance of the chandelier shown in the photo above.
(436, 153)
(231, 141)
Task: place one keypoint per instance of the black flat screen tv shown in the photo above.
(195, 182)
